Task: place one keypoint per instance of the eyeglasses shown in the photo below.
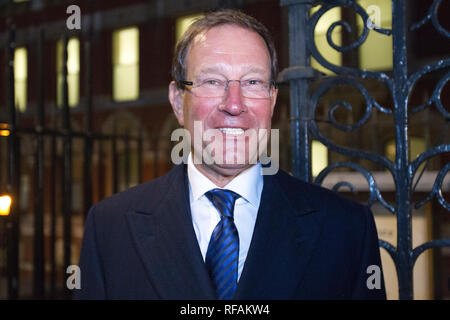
(216, 88)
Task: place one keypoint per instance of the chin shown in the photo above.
(228, 170)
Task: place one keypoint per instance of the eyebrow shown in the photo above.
(218, 69)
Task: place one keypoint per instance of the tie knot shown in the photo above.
(223, 200)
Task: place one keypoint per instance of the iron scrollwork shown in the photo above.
(399, 85)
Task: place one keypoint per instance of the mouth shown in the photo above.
(232, 131)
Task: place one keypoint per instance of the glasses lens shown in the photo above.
(255, 89)
(218, 88)
(210, 88)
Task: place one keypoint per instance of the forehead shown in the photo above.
(228, 48)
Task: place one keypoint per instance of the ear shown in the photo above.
(175, 98)
(273, 100)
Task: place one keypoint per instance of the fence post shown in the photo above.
(52, 191)
(114, 171)
(38, 243)
(140, 179)
(127, 158)
(88, 141)
(405, 263)
(67, 170)
(298, 74)
(12, 224)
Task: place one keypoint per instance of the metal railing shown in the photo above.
(400, 84)
(66, 135)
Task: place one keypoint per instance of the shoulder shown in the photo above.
(345, 224)
(145, 195)
(336, 205)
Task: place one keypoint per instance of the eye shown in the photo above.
(212, 83)
(254, 82)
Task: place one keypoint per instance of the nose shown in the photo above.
(233, 103)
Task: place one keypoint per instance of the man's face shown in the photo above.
(226, 52)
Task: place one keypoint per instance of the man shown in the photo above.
(220, 229)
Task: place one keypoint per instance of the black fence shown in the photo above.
(53, 182)
(304, 125)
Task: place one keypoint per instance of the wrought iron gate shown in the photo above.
(400, 84)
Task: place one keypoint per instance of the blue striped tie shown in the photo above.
(222, 257)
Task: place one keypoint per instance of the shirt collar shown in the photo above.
(248, 184)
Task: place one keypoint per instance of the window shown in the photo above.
(319, 157)
(20, 78)
(73, 72)
(389, 150)
(320, 39)
(183, 23)
(4, 132)
(125, 45)
(417, 146)
(5, 205)
(376, 51)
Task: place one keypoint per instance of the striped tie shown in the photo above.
(222, 257)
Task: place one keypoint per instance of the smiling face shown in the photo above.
(226, 52)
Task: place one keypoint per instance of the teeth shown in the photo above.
(232, 130)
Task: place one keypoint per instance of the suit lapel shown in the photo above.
(282, 244)
(167, 245)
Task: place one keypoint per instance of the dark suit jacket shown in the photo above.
(308, 243)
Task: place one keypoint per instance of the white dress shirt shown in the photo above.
(248, 184)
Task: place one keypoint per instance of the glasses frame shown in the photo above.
(272, 83)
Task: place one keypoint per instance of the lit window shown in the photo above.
(389, 150)
(376, 51)
(5, 205)
(20, 78)
(4, 132)
(183, 23)
(319, 157)
(417, 146)
(320, 38)
(126, 64)
(73, 72)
